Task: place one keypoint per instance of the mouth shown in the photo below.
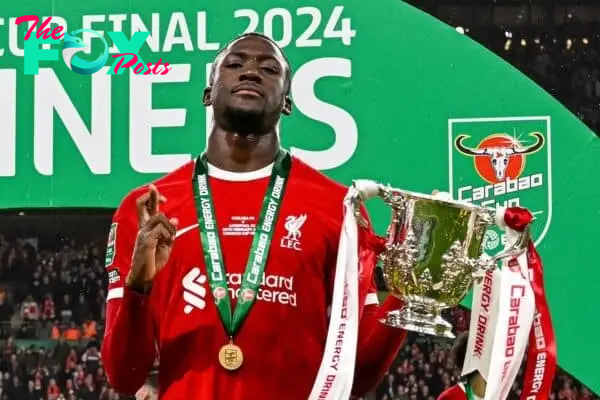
(248, 90)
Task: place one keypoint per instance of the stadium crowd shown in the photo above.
(424, 369)
(49, 343)
(51, 308)
(565, 61)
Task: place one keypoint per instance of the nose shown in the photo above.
(250, 74)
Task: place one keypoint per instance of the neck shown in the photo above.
(478, 385)
(241, 153)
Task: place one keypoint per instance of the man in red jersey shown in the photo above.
(473, 386)
(226, 265)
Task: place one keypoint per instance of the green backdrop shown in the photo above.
(381, 91)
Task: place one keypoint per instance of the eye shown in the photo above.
(270, 70)
(270, 67)
(234, 64)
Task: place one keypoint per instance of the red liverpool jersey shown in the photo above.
(284, 335)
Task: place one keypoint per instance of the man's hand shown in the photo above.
(154, 241)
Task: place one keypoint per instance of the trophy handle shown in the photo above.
(362, 190)
(517, 247)
(518, 244)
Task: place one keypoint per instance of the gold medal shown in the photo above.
(231, 357)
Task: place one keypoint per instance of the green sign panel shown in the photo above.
(380, 91)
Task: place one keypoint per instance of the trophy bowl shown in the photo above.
(433, 254)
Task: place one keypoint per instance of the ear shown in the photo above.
(206, 97)
(287, 106)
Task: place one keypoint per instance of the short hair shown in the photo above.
(459, 350)
(213, 67)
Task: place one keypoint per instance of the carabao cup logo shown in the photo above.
(73, 45)
(503, 162)
(499, 157)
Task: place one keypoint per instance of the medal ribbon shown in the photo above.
(259, 251)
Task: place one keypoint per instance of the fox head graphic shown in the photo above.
(73, 45)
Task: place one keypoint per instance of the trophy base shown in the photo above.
(419, 318)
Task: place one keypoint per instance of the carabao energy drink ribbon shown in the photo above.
(510, 316)
(336, 373)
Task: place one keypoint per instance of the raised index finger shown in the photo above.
(141, 204)
(154, 199)
(148, 204)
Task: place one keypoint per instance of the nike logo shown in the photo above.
(185, 230)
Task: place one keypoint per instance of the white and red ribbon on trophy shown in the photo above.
(351, 282)
(510, 317)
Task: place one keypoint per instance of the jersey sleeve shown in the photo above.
(119, 249)
(372, 299)
(128, 346)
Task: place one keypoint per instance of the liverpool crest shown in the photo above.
(503, 162)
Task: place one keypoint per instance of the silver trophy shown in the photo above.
(433, 255)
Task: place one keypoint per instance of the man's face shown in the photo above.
(249, 88)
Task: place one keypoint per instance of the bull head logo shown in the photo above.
(499, 156)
